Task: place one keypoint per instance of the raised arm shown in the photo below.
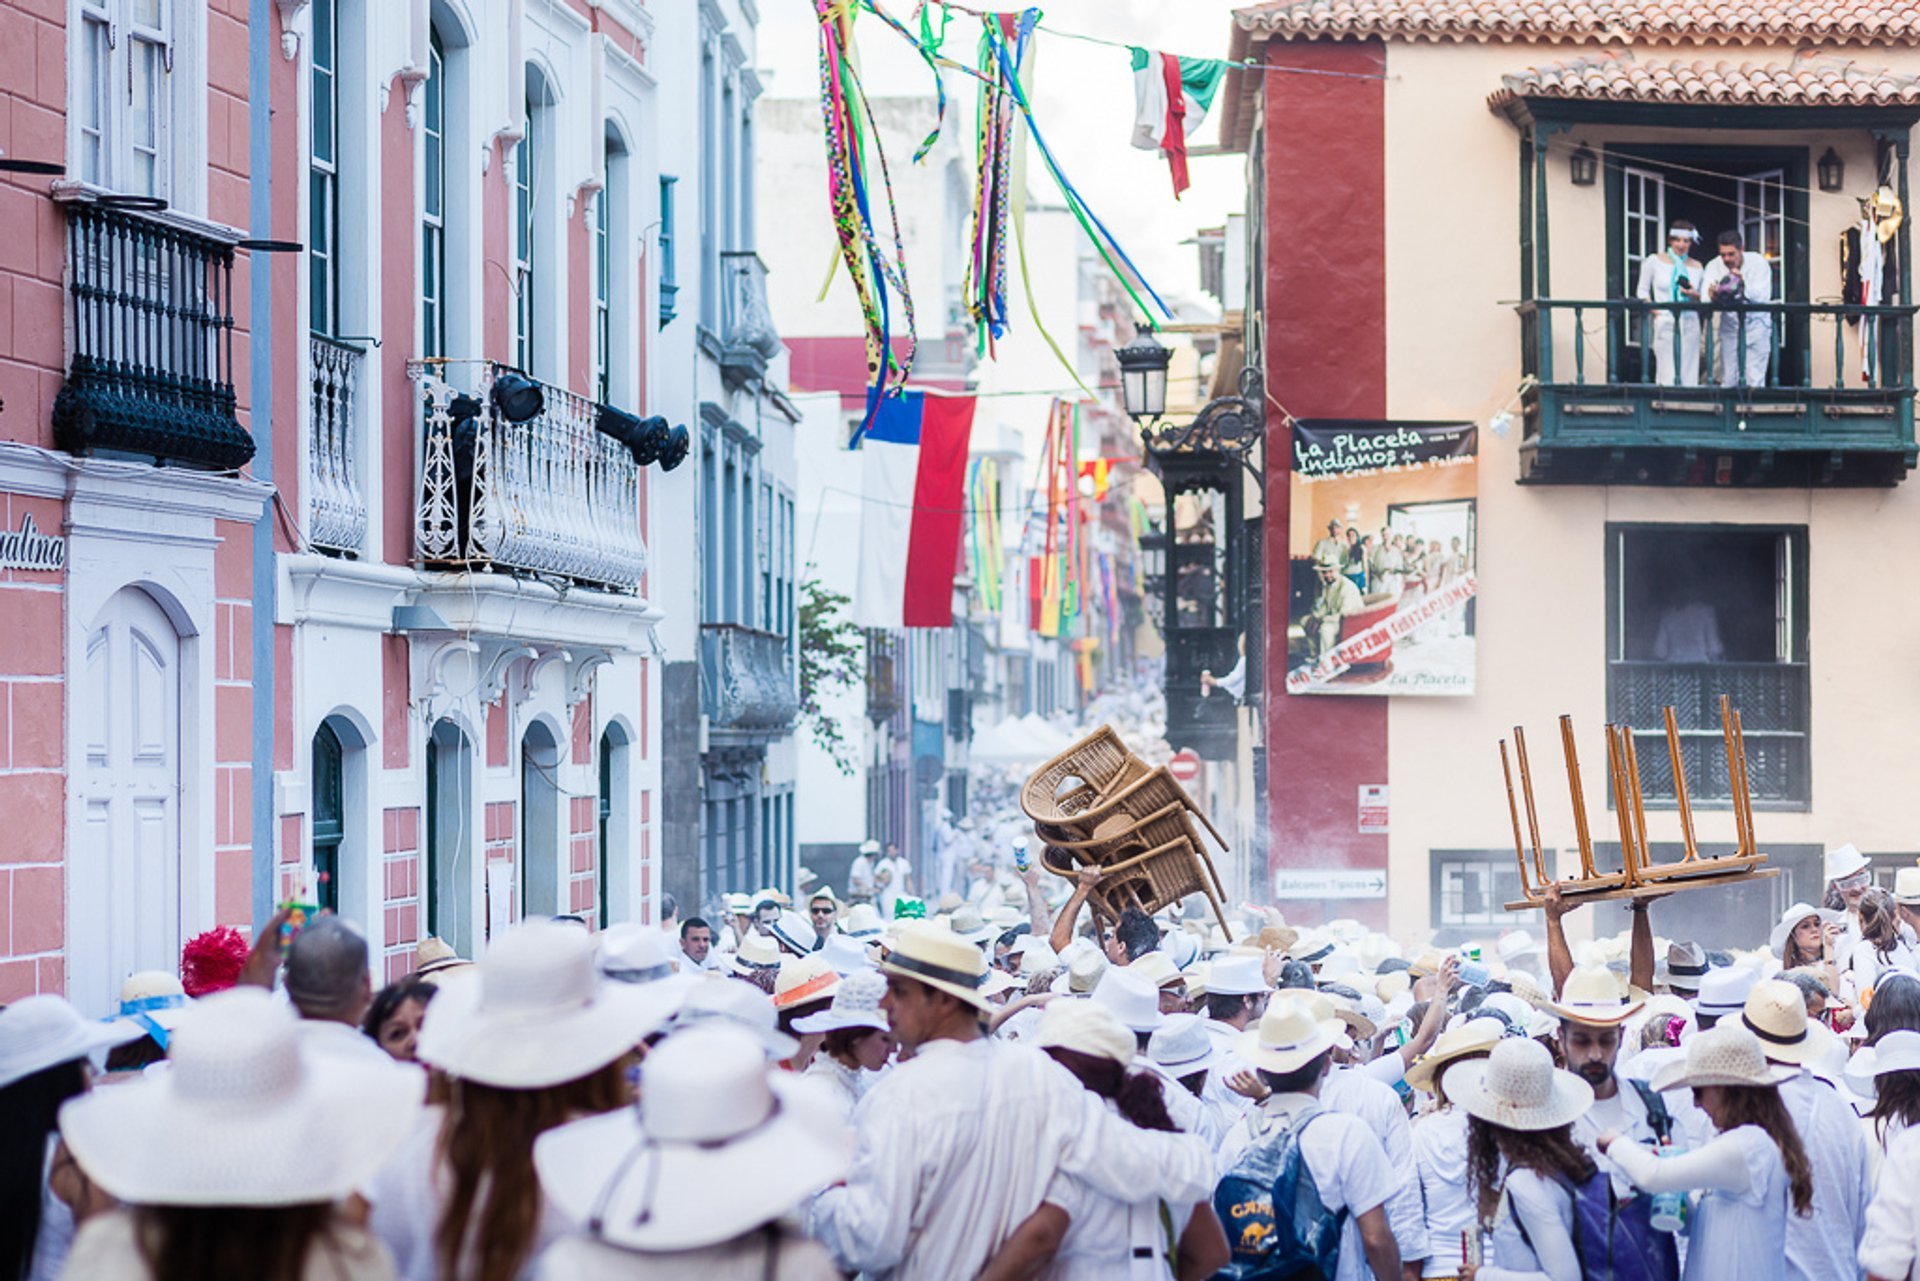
(1640, 953)
(1719, 1166)
(1062, 934)
(1554, 906)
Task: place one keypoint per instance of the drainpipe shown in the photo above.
(261, 48)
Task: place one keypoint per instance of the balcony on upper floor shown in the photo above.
(152, 369)
(522, 483)
(748, 341)
(336, 492)
(1631, 392)
(747, 688)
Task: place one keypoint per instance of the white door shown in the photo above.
(1763, 218)
(1643, 227)
(123, 898)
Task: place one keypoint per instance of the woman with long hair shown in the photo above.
(239, 1159)
(1104, 1237)
(1748, 1178)
(1881, 946)
(855, 1041)
(1440, 1141)
(534, 1040)
(44, 1044)
(1805, 938)
(1895, 1005)
(1523, 1163)
(1888, 1072)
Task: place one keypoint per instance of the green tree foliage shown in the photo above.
(833, 655)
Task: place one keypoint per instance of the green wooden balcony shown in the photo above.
(1805, 405)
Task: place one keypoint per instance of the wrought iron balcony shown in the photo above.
(747, 687)
(336, 499)
(549, 497)
(1599, 412)
(748, 342)
(152, 369)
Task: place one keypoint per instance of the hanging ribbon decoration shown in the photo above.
(871, 268)
(995, 141)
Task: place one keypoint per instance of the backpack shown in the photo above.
(1299, 1242)
(1614, 1239)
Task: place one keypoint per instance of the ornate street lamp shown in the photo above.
(1143, 376)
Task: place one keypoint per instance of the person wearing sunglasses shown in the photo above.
(1849, 877)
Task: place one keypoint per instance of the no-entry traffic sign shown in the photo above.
(1185, 766)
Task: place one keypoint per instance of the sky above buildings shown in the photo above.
(1083, 102)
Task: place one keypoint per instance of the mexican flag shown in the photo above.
(1171, 96)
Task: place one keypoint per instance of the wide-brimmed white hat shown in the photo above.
(1725, 1054)
(936, 957)
(1844, 861)
(1130, 998)
(856, 1003)
(1776, 1013)
(804, 980)
(869, 847)
(1517, 1086)
(536, 1013)
(1906, 886)
(1082, 970)
(634, 953)
(845, 954)
(1288, 1036)
(1182, 1046)
(241, 1117)
(1085, 1027)
(756, 952)
(1723, 991)
(1896, 1051)
(1475, 1036)
(1158, 969)
(37, 1032)
(717, 1146)
(1237, 976)
(1792, 917)
(153, 1001)
(1593, 996)
(740, 1004)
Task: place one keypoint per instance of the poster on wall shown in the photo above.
(1381, 577)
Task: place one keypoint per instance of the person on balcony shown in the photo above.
(1666, 279)
(1736, 281)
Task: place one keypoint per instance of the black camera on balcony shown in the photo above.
(649, 440)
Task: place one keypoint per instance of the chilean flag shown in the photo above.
(913, 509)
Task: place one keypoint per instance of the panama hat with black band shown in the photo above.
(941, 960)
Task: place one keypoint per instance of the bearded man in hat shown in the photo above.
(958, 1145)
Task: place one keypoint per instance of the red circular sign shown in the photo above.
(1185, 765)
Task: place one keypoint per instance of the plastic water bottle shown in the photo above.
(1669, 1208)
(1472, 970)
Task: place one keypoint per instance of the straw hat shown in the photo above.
(863, 922)
(775, 895)
(1158, 969)
(38, 1032)
(756, 952)
(1393, 985)
(1723, 992)
(153, 1002)
(1906, 886)
(740, 904)
(1594, 997)
(1199, 974)
(1790, 920)
(435, 956)
(1130, 998)
(1475, 1036)
(1360, 1026)
(1845, 861)
(794, 932)
(1724, 1054)
(970, 925)
(1777, 1014)
(869, 847)
(1084, 1027)
(856, 1003)
(239, 1118)
(537, 1014)
(1289, 1036)
(1517, 1086)
(634, 953)
(804, 980)
(1237, 976)
(717, 1147)
(739, 1005)
(1685, 965)
(1082, 973)
(942, 961)
(1182, 1046)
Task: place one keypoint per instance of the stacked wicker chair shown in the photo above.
(1097, 804)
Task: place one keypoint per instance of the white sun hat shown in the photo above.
(740, 1004)
(1288, 1036)
(794, 932)
(1237, 976)
(634, 953)
(1517, 1086)
(717, 1146)
(1085, 1027)
(536, 1014)
(1724, 1054)
(1845, 861)
(856, 1003)
(242, 1117)
(1906, 887)
(153, 1002)
(1181, 1047)
(1130, 998)
(756, 952)
(38, 1032)
(1723, 991)
(1897, 1051)
(846, 954)
(1158, 969)
(1081, 972)
(1791, 918)
(1594, 997)
(971, 926)
(1475, 1036)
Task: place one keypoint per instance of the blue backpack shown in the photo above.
(1277, 1226)
(1615, 1239)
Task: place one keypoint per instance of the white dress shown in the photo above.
(1739, 1226)
(1657, 284)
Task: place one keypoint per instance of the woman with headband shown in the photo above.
(1673, 276)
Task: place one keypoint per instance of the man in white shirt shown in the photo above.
(1293, 1051)
(696, 946)
(860, 873)
(1739, 276)
(330, 985)
(892, 878)
(959, 1144)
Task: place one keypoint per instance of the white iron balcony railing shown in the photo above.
(747, 687)
(550, 496)
(336, 499)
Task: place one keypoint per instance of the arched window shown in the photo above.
(615, 823)
(449, 887)
(329, 816)
(539, 822)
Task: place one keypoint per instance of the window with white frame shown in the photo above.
(709, 189)
(1470, 890)
(323, 205)
(526, 158)
(602, 298)
(433, 205)
(122, 67)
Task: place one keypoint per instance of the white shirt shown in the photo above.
(1348, 1166)
(323, 1040)
(958, 1145)
(1110, 1239)
(860, 877)
(748, 1257)
(890, 882)
(1891, 1246)
(1756, 274)
(1821, 1247)
(1739, 1226)
(848, 1084)
(1440, 1162)
(1352, 1091)
(1544, 1250)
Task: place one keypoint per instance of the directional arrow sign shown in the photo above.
(1341, 882)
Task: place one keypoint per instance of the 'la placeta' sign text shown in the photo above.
(28, 548)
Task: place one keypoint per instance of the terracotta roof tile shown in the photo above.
(1721, 21)
(1620, 77)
